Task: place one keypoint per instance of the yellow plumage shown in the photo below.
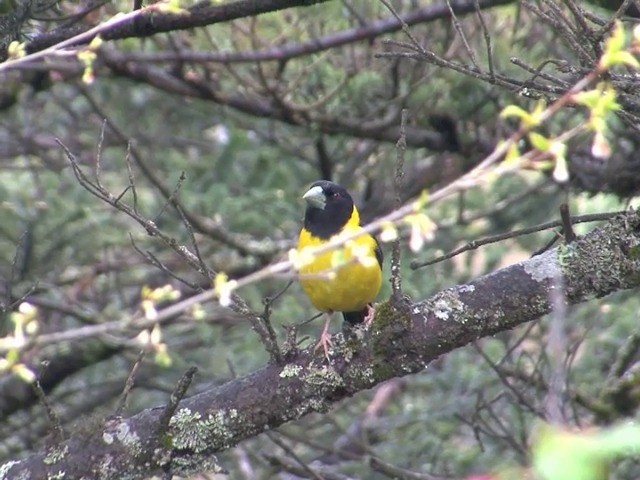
(348, 278)
(355, 278)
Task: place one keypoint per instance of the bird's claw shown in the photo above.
(325, 342)
(371, 314)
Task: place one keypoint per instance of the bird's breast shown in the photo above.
(343, 280)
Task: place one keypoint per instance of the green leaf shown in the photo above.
(582, 455)
(540, 142)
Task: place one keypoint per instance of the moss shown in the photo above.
(383, 370)
(218, 425)
(59, 475)
(125, 436)
(310, 405)
(324, 375)
(389, 323)
(208, 464)
(189, 431)
(389, 326)
(385, 315)
(291, 370)
(5, 467)
(362, 377)
(55, 454)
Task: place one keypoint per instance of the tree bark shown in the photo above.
(403, 339)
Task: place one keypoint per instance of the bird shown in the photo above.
(344, 280)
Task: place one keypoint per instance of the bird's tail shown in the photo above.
(354, 318)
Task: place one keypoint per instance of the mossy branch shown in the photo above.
(400, 342)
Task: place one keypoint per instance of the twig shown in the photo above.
(98, 172)
(153, 260)
(132, 183)
(458, 27)
(174, 400)
(54, 419)
(172, 199)
(522, 400)
(487, 38)
(393, 471)
(596, 217)
(401, 148)
(567, 228)
(128, 386)
(289, 451)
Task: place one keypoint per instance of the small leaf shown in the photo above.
(24, 373)
(514, 111)
(529, 120)
(172, 7)
(389, 232)
(600, 148)
(422, 201)
(587, 98)
(198, 312)
(560, 454)
(560, 169)
(422, 229)
(155, 337)
(149, 309)
(95, 43)
(162, 358)
(338, 258)
(614, 53)
(513, 155)
(16, 50)
(624, 58)
(540, 142)
(364, 255)
(615, 42)
(301, 258)
(223, 288)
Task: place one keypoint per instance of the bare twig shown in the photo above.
(474, 244)
(128, 386)
(463, 36)
(567, 228)
(401, 148)
(54, 419)
(174, 400)
(294, 456)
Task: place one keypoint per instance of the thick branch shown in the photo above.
(15, 394)
(294, 50)
(401, 341)
(150, 21)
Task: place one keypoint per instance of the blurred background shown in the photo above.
(214, 132)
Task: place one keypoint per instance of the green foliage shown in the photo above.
(582, 456)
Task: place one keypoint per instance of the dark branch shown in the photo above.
(295, 50)
(150, 21)
(401, 342)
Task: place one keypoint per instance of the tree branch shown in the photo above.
(149, 21)
(294, 50)
(401, 341)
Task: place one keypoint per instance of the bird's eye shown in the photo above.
(335, 194)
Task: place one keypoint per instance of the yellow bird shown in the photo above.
(345, 280)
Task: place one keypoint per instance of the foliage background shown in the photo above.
(248, 137)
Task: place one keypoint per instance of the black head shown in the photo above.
(329, 208)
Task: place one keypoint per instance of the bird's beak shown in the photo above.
(315, 197)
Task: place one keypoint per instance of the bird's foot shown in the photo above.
(371, 314)
(325, 342)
